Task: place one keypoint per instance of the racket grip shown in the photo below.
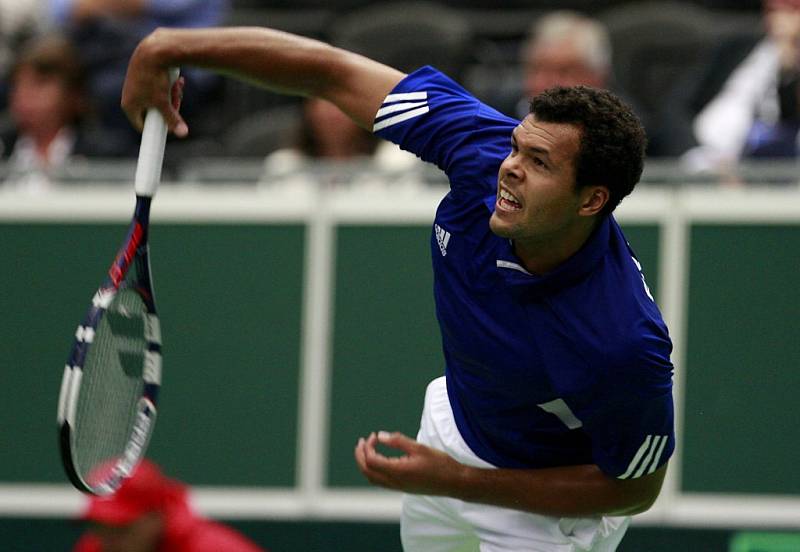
(151, 149)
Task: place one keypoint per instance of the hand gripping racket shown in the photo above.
(109, 392)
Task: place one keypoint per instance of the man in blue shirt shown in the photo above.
(554, 420)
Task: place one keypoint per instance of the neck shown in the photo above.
(543, 254)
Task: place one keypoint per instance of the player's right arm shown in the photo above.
(272, 59)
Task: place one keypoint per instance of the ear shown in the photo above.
(593, 199)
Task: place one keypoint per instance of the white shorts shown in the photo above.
(441, 524)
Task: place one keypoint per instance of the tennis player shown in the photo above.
(554, 420)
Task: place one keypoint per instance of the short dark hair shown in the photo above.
(53, 55)
(612, 143)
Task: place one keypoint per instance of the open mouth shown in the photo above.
(507, 201)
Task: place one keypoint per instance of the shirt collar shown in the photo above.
(566, 274)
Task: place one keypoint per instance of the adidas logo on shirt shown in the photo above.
(442, 237)
(401, 107)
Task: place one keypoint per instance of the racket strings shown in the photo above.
(111, 385)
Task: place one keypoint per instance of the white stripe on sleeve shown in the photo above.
(657, 456)
(635, 462)
(406, 96)
(400, 118)
(649, 457)
(394, 108)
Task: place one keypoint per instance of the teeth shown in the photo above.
(507, 196)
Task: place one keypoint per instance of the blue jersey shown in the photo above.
(570, 367)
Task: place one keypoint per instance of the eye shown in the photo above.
(538, 162)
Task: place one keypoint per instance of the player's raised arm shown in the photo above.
(276, 60)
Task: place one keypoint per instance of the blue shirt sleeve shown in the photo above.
(433, 117)
(631, 421)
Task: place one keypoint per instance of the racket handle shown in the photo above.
(151, 149)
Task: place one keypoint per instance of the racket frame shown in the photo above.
(135, 249)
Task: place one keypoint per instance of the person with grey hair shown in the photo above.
(568, 48)
(565, 48)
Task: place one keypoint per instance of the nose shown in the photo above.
(510, 168)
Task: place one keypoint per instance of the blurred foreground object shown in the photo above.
(151, 513)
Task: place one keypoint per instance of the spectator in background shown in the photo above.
(566, 48)
(343, 140)
(106, 33)
(151, 513)
(49, 112)
(756, 114)
(19, 20)
(326, 134)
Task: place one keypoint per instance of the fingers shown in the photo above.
(176, 124)
(134, 111)
(146, 88)
(176, 93)
(397, 440)
(137, 120)
(420, 469)
(367, 455)
(174, 120)
(361, 455)
(376, 467)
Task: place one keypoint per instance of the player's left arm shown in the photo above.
(569, 491)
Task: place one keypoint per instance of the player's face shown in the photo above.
(537, 198)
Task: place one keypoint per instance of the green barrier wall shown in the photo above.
(229, 298)
(743, 360)
(386, 345)
(231, 311)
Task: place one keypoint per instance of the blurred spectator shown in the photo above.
(106, 33)
(756, 114)
(151, 513)
(326, 134)
(48, 108)
(566, 48)
(19, 20)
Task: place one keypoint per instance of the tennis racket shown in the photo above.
(109, 392)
